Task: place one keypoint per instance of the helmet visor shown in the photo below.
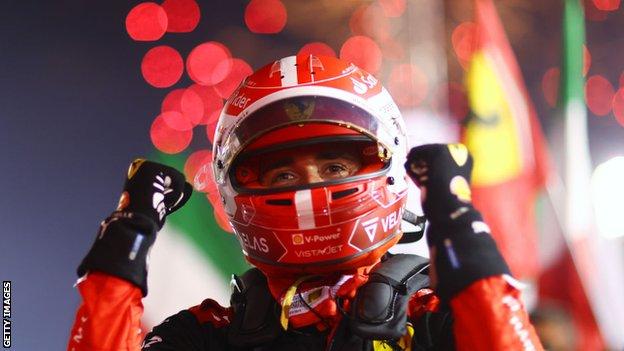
(299, 111)
(307, 163)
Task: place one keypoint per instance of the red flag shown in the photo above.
(507, 144)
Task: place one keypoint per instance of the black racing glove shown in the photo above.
(151, 192)
(464, 249)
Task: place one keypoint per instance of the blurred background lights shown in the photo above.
(457, 101)
(392, 50)
(408, 85)
(550, 86)
(188, 103)
(183, 15)
(265, 16)
(208, 63)
(146, 21)
(608, 192)
(167, 139)
(618, 106)
(317, 48)
(369, 20)
(162, 66)
(463, 40)
(593, 13)
(210, 131)
(607, 5)
(393, 8)
(220, 215)
(363, 52)
(211, 102)
(599, 95)
(177, 121)
(586, 60)
(238, 70)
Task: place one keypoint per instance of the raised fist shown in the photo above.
(151, 192)
(442, 172)
(154, 190)
(461, 248)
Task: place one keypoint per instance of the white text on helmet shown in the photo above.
(240, 101)
(390, 221)
(253, 243)
(327, 250)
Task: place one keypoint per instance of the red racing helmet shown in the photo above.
(289, 107)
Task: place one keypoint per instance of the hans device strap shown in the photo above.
(379, 311)
(256, 313)
(418, 222)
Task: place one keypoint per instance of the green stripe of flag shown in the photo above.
(572, 87)
(197, 222)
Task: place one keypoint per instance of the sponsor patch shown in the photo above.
(134, 167)
(297, 239)
(459, 186)
(459, 152)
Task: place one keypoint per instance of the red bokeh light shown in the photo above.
(167, 139)
(392, 50)
(211, 101)
(211, 128)
(198, 171)
(621, 80)
(162, 66)
(222, 218)
(239, 70)
(550, 86)
(356, 21)
(592, 13)
(368, 20)
(317, 48)
(457, 101)
(363, 52)
(393, 8)
(219, 212)
(214, 198)
(618, 106)
(587, 59)
(464, 39)
(599, 95)
(183, 15)
(407, 85)
(146, 21)
(177, 121)
(265, 16)
(205, 64)
(607, 5)
(188, 103)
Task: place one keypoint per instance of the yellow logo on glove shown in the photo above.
(459, 187)
(134, 167)
(459, 153)
(124, 201)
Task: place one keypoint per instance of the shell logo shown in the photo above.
(297, 239)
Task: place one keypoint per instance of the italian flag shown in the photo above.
(192, 259)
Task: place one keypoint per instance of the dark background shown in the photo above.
(74, 111)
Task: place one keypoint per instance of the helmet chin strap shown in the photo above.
(416, 220)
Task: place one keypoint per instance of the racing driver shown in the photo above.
(310, 159)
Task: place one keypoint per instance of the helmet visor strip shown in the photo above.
(300, 111)
(308, 163)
